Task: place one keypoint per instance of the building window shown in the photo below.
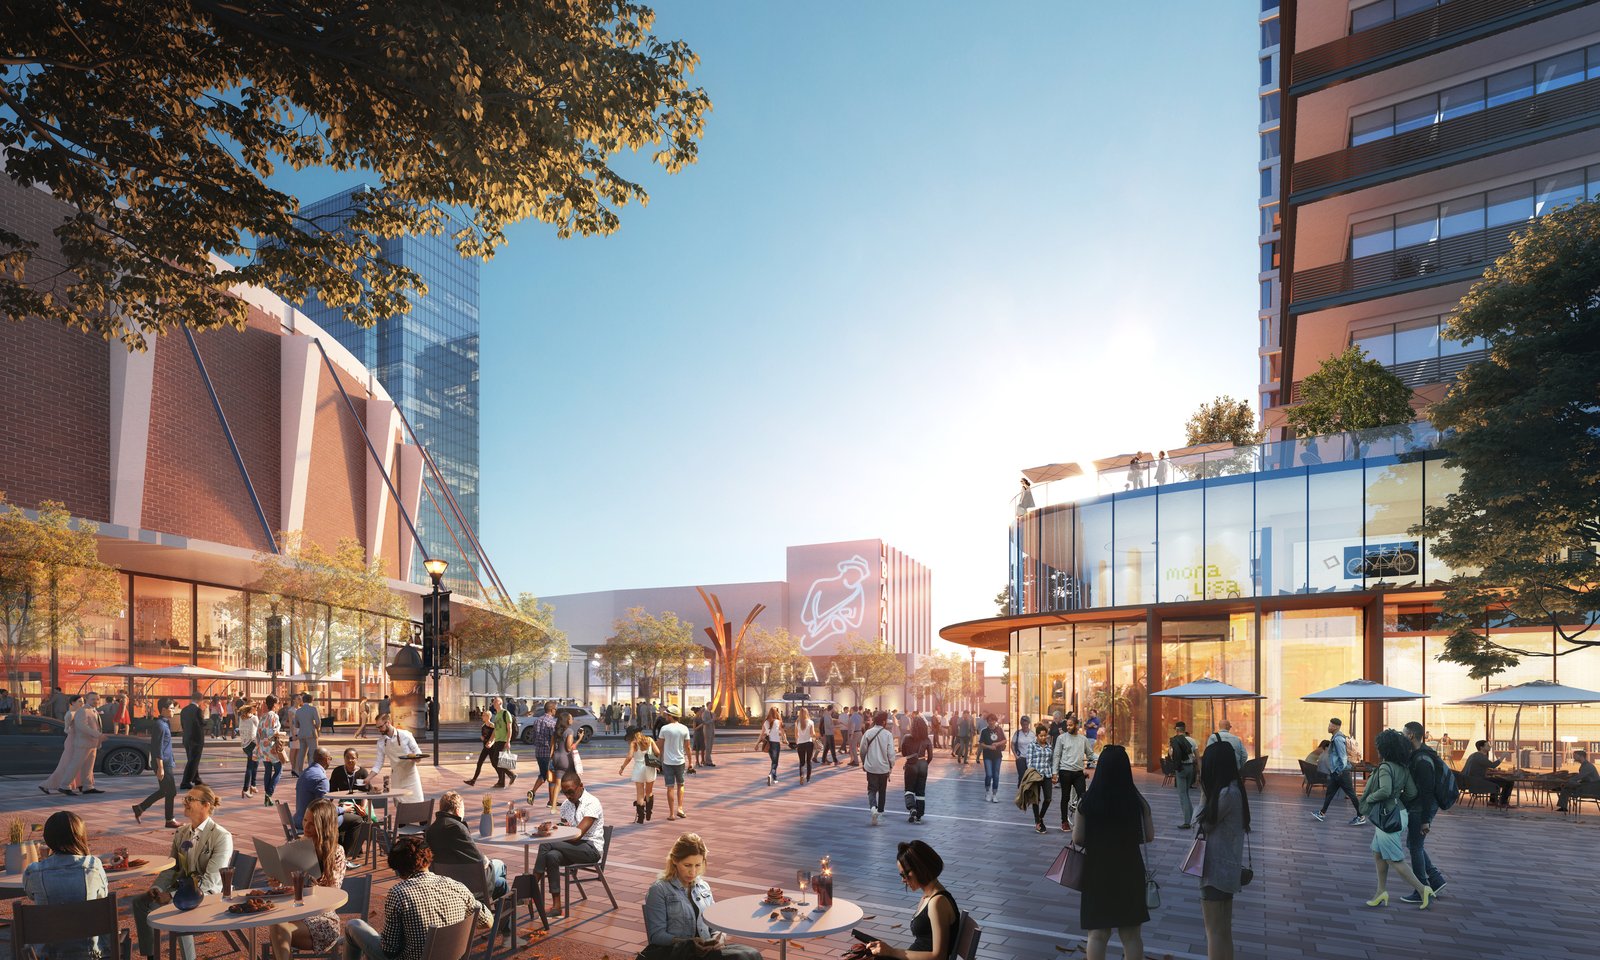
(1270, 145)
(1269, 33)
(1269, 256)
(1272, 221)
(1266, 182)
(1376, 14)
(1266, 294)
(1268, 74)
(1269, 107)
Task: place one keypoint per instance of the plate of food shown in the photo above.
(412, 756)
(252, 905)
(268, 892)
(776, 898)
(133, 864)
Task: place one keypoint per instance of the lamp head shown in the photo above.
(436, 568)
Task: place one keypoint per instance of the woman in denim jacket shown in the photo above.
(674, 911)
(68, 875)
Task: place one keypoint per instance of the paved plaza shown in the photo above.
(1522, 884)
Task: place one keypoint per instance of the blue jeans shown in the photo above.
(991, 771)
(1183, 780)
(497, 868)
(1421, 865)
(250, 765)
(360, 940)
(773, 751)
(274, 770)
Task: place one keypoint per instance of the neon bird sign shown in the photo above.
(835, 605)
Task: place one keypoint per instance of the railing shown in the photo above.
(1457, 21)
(1440, 257)
(1415, 373)
(1478, 132)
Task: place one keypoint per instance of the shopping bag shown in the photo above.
(507, 761)
(1195, 863)
(1067, 869)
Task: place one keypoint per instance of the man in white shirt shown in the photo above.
(1070, 755)
(877, 759)
(582, 809)
(1226, 735)
(674, 759)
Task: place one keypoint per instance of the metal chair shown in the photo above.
(967, 937)
(1312, 777)
(1169, 772)
(358, 894)
(1255, 770)
(244, 871)
(410, 819)
(39, 924)
(286, 820)
(569, 873)
(476, 878)
(450, 942)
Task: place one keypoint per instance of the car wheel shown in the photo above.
(123, 762)
(527, 735)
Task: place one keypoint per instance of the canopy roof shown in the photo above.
(1052, 471)
(1120, 460)
(1363, 691)
(186, 671)
(1207, 688)
(115, 670)
(1534, 693)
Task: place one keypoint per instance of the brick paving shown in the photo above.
(1522, 884)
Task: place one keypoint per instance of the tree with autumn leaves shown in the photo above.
(506, 645)
(316, 589)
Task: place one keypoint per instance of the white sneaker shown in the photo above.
(875, 816)
(995, 797)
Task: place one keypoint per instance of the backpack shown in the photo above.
(1182, 752)
(1445, 789)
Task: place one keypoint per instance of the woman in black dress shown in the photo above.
(917, 748)
(937, 921)
(1113, 821)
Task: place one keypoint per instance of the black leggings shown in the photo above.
(1340, 781)
(1042, 805)
(916, 778)
(877, 789)
(804, 750)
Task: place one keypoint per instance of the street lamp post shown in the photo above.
(436, 569)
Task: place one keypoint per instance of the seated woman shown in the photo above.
(321, 932)
(1319, 757)
(675, 906)
(68, 875)
(937, 920)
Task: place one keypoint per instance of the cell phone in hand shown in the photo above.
(863, 937)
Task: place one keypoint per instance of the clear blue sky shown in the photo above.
(926, 245)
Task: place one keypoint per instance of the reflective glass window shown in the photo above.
(1135, 580)
(1334, 530)
(1460, 100)
(1269, 257)
(1280, 533)
(1578, 727)
(1270, 145)
(1266, 294)
(1558, 191)
(1378, 344)
(1416, 340)
(1269, 33)
(1270, 221)
(1269, 107)
(1094, 553)
(1230, 521)
(1439, 482)
(1056, 663)
(1027, 674)
(1266, 182)
(1371, 126)
(1303, 651)
(1182, 540)
(1393, 506)
(1266, 71)
(1448, 346)
(1415, 114)
(1513, 204)
(1404, 8)
(1461, 216)
(1557, 72)
(1509, 86)
(163, 629)
(1593, 176)
(1124, 712)
(1371, 15)
(1090, 688)
(1373, 236)
(1403, 668)
(1593, 58)
(1416, 227)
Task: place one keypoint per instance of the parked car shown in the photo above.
(580, 718)
(34, 745)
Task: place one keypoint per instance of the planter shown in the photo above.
(19, 855)
(486, 825)
(186, 896)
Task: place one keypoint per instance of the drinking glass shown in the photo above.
(227, 882)
(298, 879)
(803, 879)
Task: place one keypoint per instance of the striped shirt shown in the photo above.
(1041, 758)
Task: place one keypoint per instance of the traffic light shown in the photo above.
(274, 644)
(436, 631)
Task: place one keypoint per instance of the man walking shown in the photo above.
(827, 727)
(1339, 776)
(87, 725)
(674, 757)
(161, 762)
(1182, 752)
(1071, 754)
(1225, 734)
(877, 759)
(708, 732)
(1426, 769)
(307, 727)
(194, 742)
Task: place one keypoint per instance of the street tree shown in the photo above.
(160, 123)
(1350, 391)
(771, 664)
(1223, 420)
(658, 648)
(312, 588)
(1002, 602)
(1524, 528)
(947, 677)
(51, 581)
(508, 645)
(875, 667)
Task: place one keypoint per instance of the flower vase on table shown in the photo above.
(186, 896)
(486, 822)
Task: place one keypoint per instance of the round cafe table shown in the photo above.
(528, 841)
(156, 864)
(212, 915)
(750, 917)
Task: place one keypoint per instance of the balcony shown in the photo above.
(1409, 38)
(1417, 373)
(1462, 257)
(1539, 117)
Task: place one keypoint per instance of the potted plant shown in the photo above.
(19, 851)
(486, 822)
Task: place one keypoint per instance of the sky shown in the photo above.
(925, 246)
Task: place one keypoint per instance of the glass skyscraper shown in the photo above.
(428, 361)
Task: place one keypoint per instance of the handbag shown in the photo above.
(652, 761)
(763, 744)
(1248, 871)
(1194, 864)
(1152, 892)
(507, 761)
(1067, 869)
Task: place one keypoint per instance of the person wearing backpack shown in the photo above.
(1182, 750)
(1385, 803)
(1435, 784)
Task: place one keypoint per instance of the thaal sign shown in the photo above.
(835, 605)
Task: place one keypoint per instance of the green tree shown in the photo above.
(313, 589)
(160, 123)
(1002, 601)
(875, 667)
(51, 578)
(1525, 524)
(770, 663)
(948, 677)
(1349, 392)
(1223, 420)
(654, 647)
(507, 645)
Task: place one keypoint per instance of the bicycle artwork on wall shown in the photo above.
(1377, 560)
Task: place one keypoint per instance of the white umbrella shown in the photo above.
(115, 670)
(1535, 693)
(1361, 691)
(1207, 688)
(335, 677)
(185, 671)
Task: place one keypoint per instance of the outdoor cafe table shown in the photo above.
(527, 841)
(751, 917)
(212, 915)
(156, 864)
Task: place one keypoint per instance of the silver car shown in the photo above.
(581, 718)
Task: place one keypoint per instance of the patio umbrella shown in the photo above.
(114, 670)
(1361, 691)
(1535, 693)
(1120, 460)
(1209, 689)
(336, 676)
(1052, 471)
(185, 671)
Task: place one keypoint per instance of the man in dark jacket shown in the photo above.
(451, 841)
(194, 742)
(1424, 766)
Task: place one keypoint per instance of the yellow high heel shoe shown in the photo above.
(1382, 899)
(1427, 896)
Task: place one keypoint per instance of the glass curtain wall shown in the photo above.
(1096, 667)
(1304, 651)
(1223, 648)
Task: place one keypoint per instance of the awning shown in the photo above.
(1120, 460)
(1052, 471)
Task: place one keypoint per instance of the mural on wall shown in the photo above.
(837, 605)
(843, 593)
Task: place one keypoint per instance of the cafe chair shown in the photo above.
(1312, 777)
(286, 820)
(569, 873)
(40, 924)
(364, 845)
(450, 942)
(1255, 770)
(967, 937)
(244, 874)
(476, 878)
(1169, 772)
(529, 888)
(1477, 788)
(358, 894)
(410, 819)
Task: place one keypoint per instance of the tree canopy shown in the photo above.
(1350, 391)
(655, 647)
(314, 589)
(507, 645)
(1525, 523)
(1223, 420)
(770, 664)
(876, 667)
(160, 122)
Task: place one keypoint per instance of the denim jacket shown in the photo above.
(669, 916)
(67, 878)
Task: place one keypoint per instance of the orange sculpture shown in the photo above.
(726, 703)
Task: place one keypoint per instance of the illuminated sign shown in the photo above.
(837, 605)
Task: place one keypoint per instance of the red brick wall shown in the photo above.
(336, 504)
(54, 387)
